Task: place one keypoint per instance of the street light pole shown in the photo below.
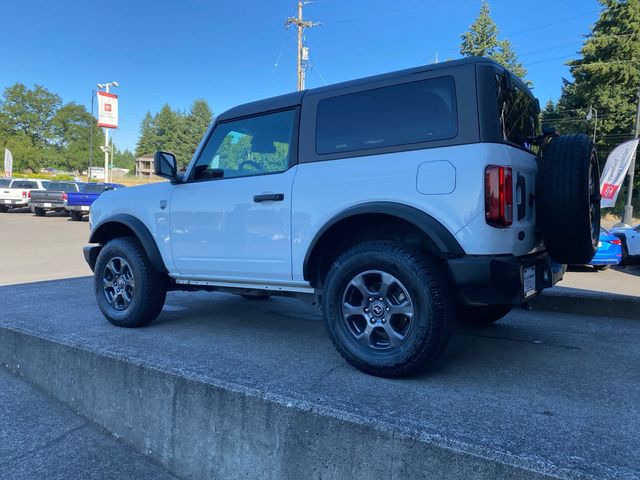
(93, 94)
(106, 133)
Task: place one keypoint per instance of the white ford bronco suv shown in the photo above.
(399, 202)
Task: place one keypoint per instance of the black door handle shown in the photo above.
(269, 197)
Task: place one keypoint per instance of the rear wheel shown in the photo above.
(129, 291)
(75, 215)
(387, 309)
(4, 209)
(568, 199)
(601, 268)
(482, 315)
(39, 212)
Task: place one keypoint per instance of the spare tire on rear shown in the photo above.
(568, 198)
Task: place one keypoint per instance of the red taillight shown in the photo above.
(65, 197)
(29, 194)
(498, 196)
(24, 194)
(617, 241)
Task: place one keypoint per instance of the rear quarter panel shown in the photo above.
(322, 190)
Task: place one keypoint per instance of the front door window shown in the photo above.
(247, 147)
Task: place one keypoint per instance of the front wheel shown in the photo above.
(387, 308)
(129, 291)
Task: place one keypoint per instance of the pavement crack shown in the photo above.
(46, 445)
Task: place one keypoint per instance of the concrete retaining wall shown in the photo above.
(201, 430)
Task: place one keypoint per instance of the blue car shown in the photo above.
(609, 251)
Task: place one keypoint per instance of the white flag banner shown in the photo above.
(615, 170)
(8, 163)
(107, 110)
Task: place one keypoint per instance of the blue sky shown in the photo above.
(231, 52)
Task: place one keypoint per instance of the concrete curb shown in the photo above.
(587, 302)
(199, 429)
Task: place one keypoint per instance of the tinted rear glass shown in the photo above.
(91, 188)
(414, 112)
(62, 187)
(4, 182)
(24, 184)
(519, 114)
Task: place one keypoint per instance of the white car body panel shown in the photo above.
(218, 230)
(632, 237)
(393, 178)
(143, 202)
(213, 230)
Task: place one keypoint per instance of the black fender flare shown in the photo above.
(444, 240)
(100, 234)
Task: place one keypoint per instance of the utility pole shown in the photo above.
(628, 208)
(303, 52)
(105, 149)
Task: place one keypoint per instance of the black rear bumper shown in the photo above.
(485, 280)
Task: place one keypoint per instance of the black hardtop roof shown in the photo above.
(295, 98)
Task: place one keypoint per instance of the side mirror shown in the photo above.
(165, 165)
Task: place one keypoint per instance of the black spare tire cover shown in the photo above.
(568, 198)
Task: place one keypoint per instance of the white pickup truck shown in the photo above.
(16, 192)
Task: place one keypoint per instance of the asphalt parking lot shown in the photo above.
(41, 248)
(554, 392)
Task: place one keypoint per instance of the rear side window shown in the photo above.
(4, 182)
(24, 184)
(62, 187)
(92, 188)
(415, 112)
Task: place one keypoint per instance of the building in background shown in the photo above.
(144, 166)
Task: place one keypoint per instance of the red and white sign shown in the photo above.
(614, 172)
(107, 110)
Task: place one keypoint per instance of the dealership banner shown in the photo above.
(107, 110)
(615, 171)
(8, 163)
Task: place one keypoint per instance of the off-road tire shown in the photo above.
(568, 199)
(75, 215)
(429, 295)
(481, 316)
(150, 285)
(39, 212)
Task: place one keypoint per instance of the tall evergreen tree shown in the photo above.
(482, 41)
(174, 131)
(148, 141)
(607, 76)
